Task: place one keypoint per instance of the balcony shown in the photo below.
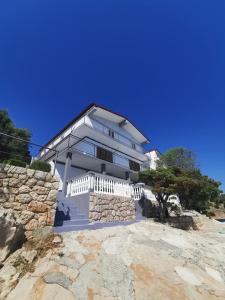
(115, 135)
(97, 132)
(90, 149)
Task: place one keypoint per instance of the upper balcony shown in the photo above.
(90, 128)
(115, 135)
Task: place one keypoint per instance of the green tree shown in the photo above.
(194, 190)
(12, 148)
(178, 157)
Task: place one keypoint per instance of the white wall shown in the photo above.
(153, 157)
(59, 172)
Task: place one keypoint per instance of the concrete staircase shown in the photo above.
(139, 210)
(69, 216)
(72, 215)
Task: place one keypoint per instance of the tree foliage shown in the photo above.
(178, 157)
(11, 148)
(195, 190)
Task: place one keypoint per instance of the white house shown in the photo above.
(99, 150)
(100, 141)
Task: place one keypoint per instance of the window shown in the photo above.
(104, 154)
(111, 133)
(134, 166)
(133, 145)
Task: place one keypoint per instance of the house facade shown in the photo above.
(99, 151)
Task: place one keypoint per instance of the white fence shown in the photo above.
(103, 184)
(138, 191)
(79, 185)
(112, 186)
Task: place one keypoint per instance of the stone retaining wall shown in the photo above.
(109, 208)
(31, 194)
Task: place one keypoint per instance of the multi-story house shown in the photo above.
(99, 150)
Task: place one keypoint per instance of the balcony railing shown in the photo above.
(110, 132)
(89, 148)
(103, 184)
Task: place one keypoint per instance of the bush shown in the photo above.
(15, 162)
(40, 166)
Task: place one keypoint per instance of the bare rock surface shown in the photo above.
(11, 233)
(145, 260)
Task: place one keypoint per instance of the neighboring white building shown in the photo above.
(153, 156)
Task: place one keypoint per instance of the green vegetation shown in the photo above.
(15, 162)
(12, 148)
(181, 177)
(40, 165)
(180, 157)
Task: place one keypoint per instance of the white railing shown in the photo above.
(79, 185)
(111, 185)
(137, 191)
(99, 183)
(104, 184)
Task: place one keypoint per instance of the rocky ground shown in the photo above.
(145, 260)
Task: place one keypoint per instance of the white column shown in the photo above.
(66, 171)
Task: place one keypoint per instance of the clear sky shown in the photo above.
(161, 63)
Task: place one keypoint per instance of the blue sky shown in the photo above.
(161, 63)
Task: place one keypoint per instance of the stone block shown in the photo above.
(40, 175)
(50, 178)
(56, 185)
(51, 217)
(31, 182)
(30, 172)
(14, 182)
(40, 190)
(31, 225)
(48, 185)
(42, 219)
(24, 189)
(37, 207)
(23, 177)
(11, 198)
(17, 170)
(26, 216)
(13, 190)
(34, 195)
(40, 183)
(52, 195)
(41, 198)
(23, 198)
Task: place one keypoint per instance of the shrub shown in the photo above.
(40, 166)
(15, 162)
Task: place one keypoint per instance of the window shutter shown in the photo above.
(134, 166)
(104, 154)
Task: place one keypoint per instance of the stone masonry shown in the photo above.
(31, 194)
(109, 208)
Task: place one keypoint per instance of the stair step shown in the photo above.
(90, 226)
(71, 228)
(75, 222)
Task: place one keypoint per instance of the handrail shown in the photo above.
(108, 176)
(99, 183)
(104, 184)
